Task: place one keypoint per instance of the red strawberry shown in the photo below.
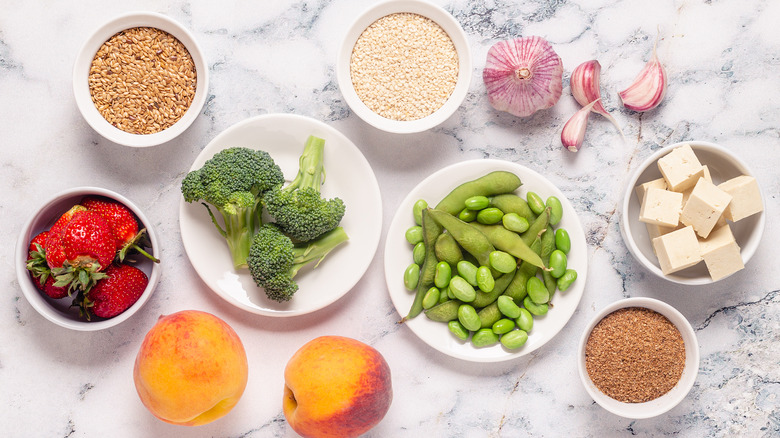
(122, 221)
(39, 269)
(89, 247)
(115, 293)
(55, 256)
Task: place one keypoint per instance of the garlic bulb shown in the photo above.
(523, 75)
(586, 87)
(573, 133)
(649, 87)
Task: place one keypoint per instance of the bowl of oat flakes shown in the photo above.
(404, 66)
(140, 79)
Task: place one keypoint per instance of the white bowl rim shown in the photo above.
(441, 17)
(667, 401)
(102, 34)
(747, 251)
(37, 299)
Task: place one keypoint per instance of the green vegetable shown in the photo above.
(443, 275)
(431, 231)
(493, 183)
(502, 262)
(515, 222)
(477, 202)
(562, 240)
(537, 291)
(233, 181)
(462, 290)
(525, 321)
(509, 242)
(535, 309)
(444, 312)
(414, 234)
(467, 316)
(489, 314)
(514, 339)
(417, 208)
(411, 276)
(485, 280)
(535, 202)
(566, 279)
(447, 249)
(468, 271)
(274, 260)
(508, 307)
(418, 253)
(484, 337)
(537, 227)
(469, 238)
(511, 203)
(299, 208)
(502, 326)
(557, 263)
(490, 216)
(467, 215)
(458, 330)
(556, 209)
(431, 298)
(484, 298)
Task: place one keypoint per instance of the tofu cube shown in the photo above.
(641, 189)
(680, 168)
(746, 197)
(721, 253)
(677, 250)
(661, 207)
(704, 207)
(687, 192)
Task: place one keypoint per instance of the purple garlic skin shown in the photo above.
(523, 75)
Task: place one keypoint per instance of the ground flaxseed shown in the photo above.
(142, 80)
(635, 355)
(404, 66)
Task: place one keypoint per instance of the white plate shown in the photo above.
(349, 176)
(398, 255)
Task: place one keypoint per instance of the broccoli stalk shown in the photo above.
(274, 260)
(234, 181)
(299, 209)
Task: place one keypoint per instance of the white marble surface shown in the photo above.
(722, 57)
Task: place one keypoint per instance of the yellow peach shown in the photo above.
(336, 387)
(191, 368)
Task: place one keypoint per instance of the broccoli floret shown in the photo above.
(299, 209)
(234, 181)
(274, 259)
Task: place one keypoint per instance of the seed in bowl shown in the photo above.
(404, 66)
(635, 355)
(142, 80)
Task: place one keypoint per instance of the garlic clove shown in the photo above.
(649, 87)
(523, 75)
(573, 133)
(586, 87)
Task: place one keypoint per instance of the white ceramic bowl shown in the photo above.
(723, 165)
(59, 311)
(667, 401)
(434, 13)
(84, 60)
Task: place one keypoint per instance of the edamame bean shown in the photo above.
(411, 276)
(502, 262)
(485, 280)
(508, 307)
(414, 234)
(567, 279)
(525, 321)
(431, 298)
(556, 209)
(458, 330)
(503, 325)
(485, 298)
(493, 183)
(461, 289)
(515, 222)
(557, 263)
(484, 338)
(443, 275)
(562, 240)
(467, 316)
(447, 249)
(535, 309)
(535, 202)
(537, 291)
(418, 253)
(490, 216)
(477, 202)
(417, 209)
(514, 339)
(468, 271)
(467, 215)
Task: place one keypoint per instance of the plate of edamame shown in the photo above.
(485, 260)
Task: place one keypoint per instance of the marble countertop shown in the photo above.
(722, 58)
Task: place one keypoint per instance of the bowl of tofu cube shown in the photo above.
(693, 213)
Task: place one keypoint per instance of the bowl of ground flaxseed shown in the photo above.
(140, 79)
(638, 358)
(404, 66)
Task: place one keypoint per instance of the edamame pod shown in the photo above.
(525, 321)
(457, 329)
(509, 242)
(535, 202)
(488, 315)
(431, 230)
(447, 249)
(470, 239)
(443, 275)
(493, 183)
(508, 307)
(511, 203)
(556, 209)
(535, 309)
(566, 279)
(537, 227)
(517, 288)
(537, 291)
(417, 208)
(444, 312)
(484, 338)
(467, 316)
(514, 339)
(484, 298)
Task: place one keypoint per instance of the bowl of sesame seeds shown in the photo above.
(140, 79)
(638, 357)
(404, 66)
